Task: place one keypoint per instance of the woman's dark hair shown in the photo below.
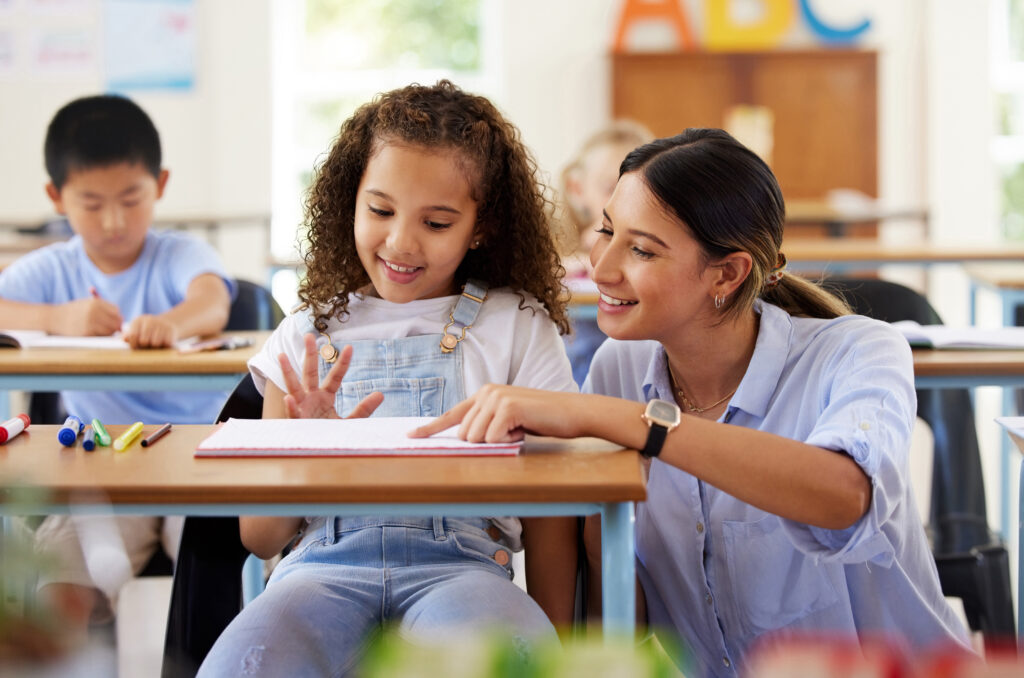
(730, 201)
(516, 250)
(99, 131)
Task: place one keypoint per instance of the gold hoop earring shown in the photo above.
(719, 301)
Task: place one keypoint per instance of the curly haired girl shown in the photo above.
(431, 272)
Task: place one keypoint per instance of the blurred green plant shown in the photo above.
(503, 656)
(29, 628)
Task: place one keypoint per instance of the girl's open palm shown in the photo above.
(309, 398)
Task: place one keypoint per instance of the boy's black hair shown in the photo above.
(99, 131)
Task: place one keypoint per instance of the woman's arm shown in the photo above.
(791, 479)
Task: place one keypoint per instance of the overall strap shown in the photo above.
(462, 317)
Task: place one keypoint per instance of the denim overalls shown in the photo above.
(433, 575)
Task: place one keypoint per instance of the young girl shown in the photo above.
(430, 272)
(587, 183)
(778, 424)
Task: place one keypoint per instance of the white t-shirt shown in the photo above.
(506, 345)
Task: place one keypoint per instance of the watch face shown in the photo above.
(663, 412)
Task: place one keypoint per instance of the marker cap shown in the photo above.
(6, 435)
(68, 433)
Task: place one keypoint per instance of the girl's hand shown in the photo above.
(498, 414)
(308, 399)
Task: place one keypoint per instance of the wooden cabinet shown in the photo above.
(824, 104)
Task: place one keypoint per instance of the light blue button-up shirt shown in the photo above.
(722, 573)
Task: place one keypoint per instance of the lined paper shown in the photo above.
(374, 436)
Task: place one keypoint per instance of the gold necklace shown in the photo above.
(690, 407)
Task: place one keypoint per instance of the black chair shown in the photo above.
(207, 590)
(973, 563)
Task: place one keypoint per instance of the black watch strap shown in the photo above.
(656, 434)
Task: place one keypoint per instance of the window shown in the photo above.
(1008, 81)
(330, 56)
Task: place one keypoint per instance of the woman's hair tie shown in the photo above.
(775, 275)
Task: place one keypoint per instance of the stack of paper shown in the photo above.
(375, 436)
(40, 339)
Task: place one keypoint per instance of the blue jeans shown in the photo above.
(435, 578)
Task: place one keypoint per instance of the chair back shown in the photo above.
(957, 515)
(253, 308)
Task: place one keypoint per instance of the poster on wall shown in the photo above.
(150, 44)
(62, 51)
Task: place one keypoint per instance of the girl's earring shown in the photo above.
(719, 301)
(476, 244)
(328, 352)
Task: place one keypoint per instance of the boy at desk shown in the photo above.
(104, 162)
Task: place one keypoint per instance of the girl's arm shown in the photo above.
(551, 559)
(265, 536)
(306, 398)
(786, 477)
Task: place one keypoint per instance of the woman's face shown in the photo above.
(648, 268)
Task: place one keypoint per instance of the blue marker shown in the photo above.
(89, 441)
(68, 433)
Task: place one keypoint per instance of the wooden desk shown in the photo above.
(550, 477)
(836, 255)
(836, 223)
(52, 369)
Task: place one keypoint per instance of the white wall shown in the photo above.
(216, 138)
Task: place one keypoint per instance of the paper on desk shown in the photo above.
(1015, 427)
(39, 339)
(943, 336)
(374, 436)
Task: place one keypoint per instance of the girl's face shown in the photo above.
(415, 220)
(648, 268)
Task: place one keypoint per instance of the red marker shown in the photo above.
(13, 427)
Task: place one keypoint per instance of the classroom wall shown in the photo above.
(216, 138)
(551, 78)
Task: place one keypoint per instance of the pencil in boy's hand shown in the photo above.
(156, 435)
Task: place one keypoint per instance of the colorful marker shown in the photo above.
(102, 437)
(68, 433)
(156, 435)
(89, 439)
(13, 427)
(125, 439)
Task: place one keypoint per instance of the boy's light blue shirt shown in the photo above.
(723, 573)
(155, 283)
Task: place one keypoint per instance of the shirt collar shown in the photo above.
(762, 377)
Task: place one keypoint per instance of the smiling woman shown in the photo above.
(778, 424)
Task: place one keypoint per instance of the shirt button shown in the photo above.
(725, 662)
(865, 426)
(700, 528)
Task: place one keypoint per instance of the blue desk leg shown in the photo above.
(1020, 560)
(252, 579)
(618, 576)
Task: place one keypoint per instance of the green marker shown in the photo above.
(102, 437)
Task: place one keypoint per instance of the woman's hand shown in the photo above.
(498, 414)
(306, 399)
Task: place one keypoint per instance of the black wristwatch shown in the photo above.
(661, 416)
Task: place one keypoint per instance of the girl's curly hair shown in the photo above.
(517, 248)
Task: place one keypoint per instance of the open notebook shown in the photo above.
(374, 436)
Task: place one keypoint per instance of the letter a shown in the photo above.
(664, 10)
